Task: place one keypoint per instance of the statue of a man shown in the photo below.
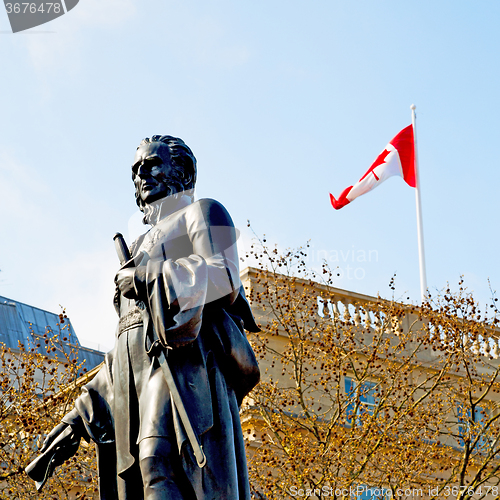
(164, 408)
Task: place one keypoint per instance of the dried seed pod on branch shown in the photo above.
(360, 392)
(39, 382)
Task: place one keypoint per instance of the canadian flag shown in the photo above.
(398, 158)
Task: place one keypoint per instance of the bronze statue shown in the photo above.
(164, 408)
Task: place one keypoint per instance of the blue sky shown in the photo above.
(282, 102)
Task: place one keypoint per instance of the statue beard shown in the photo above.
(156, 210)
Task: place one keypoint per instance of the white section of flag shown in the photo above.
(390, 167)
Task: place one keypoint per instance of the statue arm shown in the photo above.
(214, 237)
(176, 291)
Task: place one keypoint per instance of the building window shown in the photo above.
(468, 423)
(365, 393)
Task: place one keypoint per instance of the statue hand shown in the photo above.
(59, 445)
(129, 280)
(53, 434)
(66, 440)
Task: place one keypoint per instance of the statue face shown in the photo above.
(151, 171)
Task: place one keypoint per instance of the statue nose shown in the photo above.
(143, 170)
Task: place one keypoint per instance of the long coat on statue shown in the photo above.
(191, 301)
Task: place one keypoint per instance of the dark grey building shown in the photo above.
(27, 324)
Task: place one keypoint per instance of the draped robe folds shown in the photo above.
(192, 300)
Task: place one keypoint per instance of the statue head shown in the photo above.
(164, 167)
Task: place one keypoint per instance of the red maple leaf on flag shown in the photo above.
(380, 159)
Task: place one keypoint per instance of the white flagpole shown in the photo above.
(420, 228)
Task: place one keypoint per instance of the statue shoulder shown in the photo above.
(214, 213)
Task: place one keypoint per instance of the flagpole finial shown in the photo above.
(413, 107)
